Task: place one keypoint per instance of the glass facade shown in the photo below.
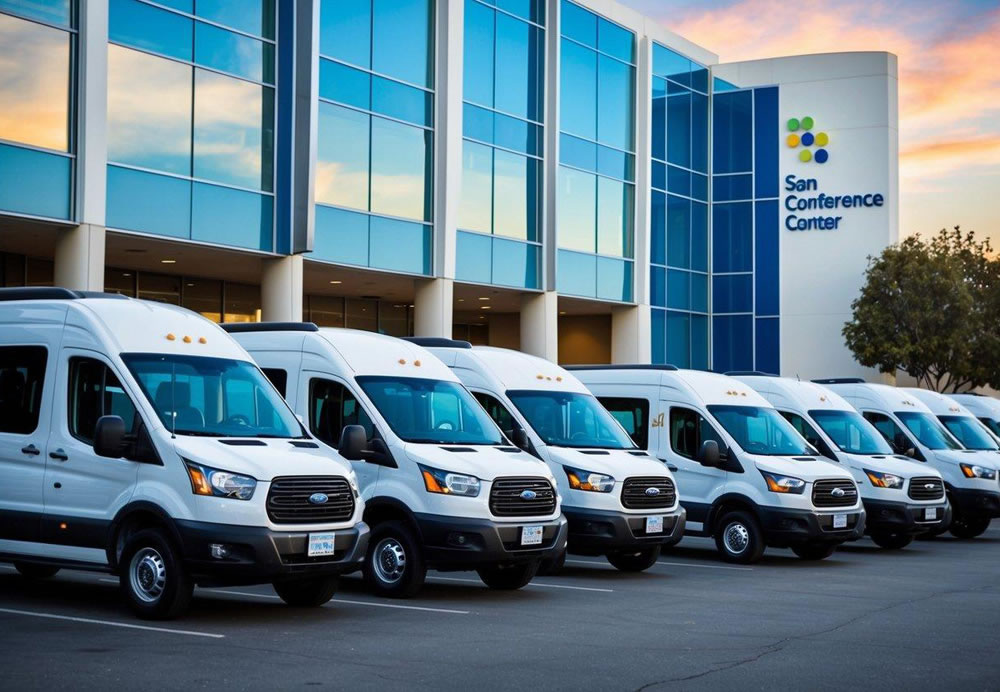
(595, 197)
(191, 103)
(375, 150)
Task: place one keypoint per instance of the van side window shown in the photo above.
(331, 408)
(95, 391)
(809, 432)
(500, 415)
(22, 375)
(689, 430)
(633, 414)
(892, 433)
(279, 378)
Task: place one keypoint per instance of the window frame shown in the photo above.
(915, 445)
(282, 374)
(642, 427)
(75, 361)
(821, 446)
(704, 420)
(39, 350)
(310, 401)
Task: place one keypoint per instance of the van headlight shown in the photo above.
(447, 483)
(217, 483)
(587, 480)
(884, 480)
(977, 471)
(786, 485)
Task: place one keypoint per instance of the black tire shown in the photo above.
(814, 551)
(401, 570)
(739, 529)
(892, 540)
(33, 570)
(965, 527)
(153, 579)
(508, 577)
(553, 566)
(307, 593)
(635, 561)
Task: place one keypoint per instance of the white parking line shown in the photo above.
(110, 623)
(534, 583)
(671, 564)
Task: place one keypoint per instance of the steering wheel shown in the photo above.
(756, 447)
(579, 436)
(237, 419)
(445, 425)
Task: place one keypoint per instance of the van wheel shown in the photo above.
(892, 541)
(394, 566)
(307, 593)
(154, 581)
(552, 566)
(637, 561)
(32, 570)
(968, 527)
(814, 551)
(508, 577)
(739, 538)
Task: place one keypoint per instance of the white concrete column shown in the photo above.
(92, 116)
(433, 307)
(631, 334)
(448, 136)
(281, 289)
(540, 325)
(550, 187)
(79, 258)
(643, 168)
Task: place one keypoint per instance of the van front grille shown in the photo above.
(648, 492)
(522, 497)
(926, 488)
(288, 500)
(834, 493)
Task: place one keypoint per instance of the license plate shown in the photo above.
(840, 521)
(931, 513)
(321, 544)
(531, 535)
(654, 524)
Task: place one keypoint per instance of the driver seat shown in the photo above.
(178, 403)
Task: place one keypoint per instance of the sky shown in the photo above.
(949, 84)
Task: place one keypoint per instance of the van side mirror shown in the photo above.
(353, 443)
(709, 454)
(911, 452)
(109, 437)
(519, 436)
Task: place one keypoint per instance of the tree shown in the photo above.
(932, 309)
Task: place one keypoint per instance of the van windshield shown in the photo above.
(969, 432)
(212, 397)
(760, 430)
(568, 419)
(431, 411)
(851, 432)
(992, 424)
(928, 430)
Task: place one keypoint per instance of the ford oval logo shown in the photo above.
(838, 492)
(652, 492)
(528, 494)
(929, 486)
(318, 498)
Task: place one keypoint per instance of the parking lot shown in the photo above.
(927, 617)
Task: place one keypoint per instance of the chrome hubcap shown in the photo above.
(147, 575)
(736, 538)
(389, 560)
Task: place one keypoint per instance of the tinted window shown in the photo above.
(807, 431)
(760, 430)
(633, 414)
(892, 433)
(332, 407)
(568, 419)
(969, 432)
(992, 424)
(689, 430)
(928, 430)
(278, 377)
(95, 391)
(850, 432)
(22, 375)
(500, 415)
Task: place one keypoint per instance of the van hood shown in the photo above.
(482, 461)
(617, 463)
(271, 459)
(968, 456)
(891, 463)
(808, 469)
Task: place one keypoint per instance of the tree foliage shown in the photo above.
(932, 309)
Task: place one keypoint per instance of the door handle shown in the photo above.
(59, 455)
(31, 450)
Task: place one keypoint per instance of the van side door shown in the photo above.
(329, 406)
(685, 432)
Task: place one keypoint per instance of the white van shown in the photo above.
(902, 498)
(139, 438)
(983, 407)
(970, 477)
(620, 503)
(746, 477)
(959, 420)
(443, 487)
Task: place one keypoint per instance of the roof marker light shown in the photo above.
(416, 363)
(170, 337)
(202, 340)
(402, 361)
(187, 339)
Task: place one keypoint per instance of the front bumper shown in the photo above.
(975, 502)
(454, 543)
(905, 517)
(784, 527)
(599, 532)
(257, 555)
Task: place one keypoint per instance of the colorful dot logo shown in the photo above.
(801, 135)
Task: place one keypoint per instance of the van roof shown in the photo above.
(979, 405)
(939, 404)
(886, 397)
(796, 394)
(706, 388)
(512, 370)
(370, 353)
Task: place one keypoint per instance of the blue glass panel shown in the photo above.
(732, 242)
(657, 286)
(699, 78)
(732, 347)
(401, 170)
(732, 132)
(477, 55)
(721, 85)
(532, 10)
(345, 30)
(344, 84)
(699, 132)
(766, 251)
(144, 26)
(699, 236)
(579, 24)
(658, 228)
(477, 123)
(517, 134)
(224, 216)
(342, 157)
(515, 263)
(615, 40)
(404, 102)
(475, 209)
(699, 186)
(679, 128)
(615, 163)
(33, 182)
(341, 236)
(768, 346)
(766, 141)
(659, 175)
(678, 289)
(516, 187)
(732, 293)
(678, 232)
(576, 274)
(678, 181)
(147, 202)
(233, 53)
(658, 324)
(667, 63)
(730, 188)
(699, 342)
(615, 103)
(400, 246)
(659, 120)
(52, 11)
(403, 40)
(576, 210)
(679, 339)
(519, 68)
(578, 90)
(699, 292)
(251, 16)
(614, 279)
(473, 257)
(615, 217)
